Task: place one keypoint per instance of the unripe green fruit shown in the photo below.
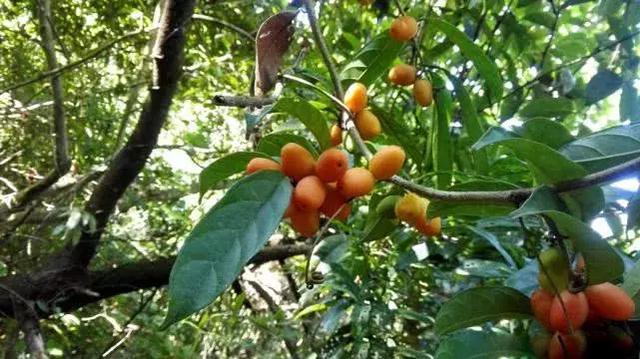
(554, 270)
(386, 207)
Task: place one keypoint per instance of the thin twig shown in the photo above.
(244, 33)
(242, 101)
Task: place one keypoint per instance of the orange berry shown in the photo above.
(335, 135)
(387, 162)
(257, 164)
(411, 208)
(576, 307)
(289, 210)
(567, 346)
(356, 97)
(333, 202)
(610, 301)
(331, 165)
(423, 92)
(429, 227)
(306, 223)
(356, 182)
(403, 28)
(309, 193)
(402, 75)
(297, 162)
(541, 301)
(367, 124)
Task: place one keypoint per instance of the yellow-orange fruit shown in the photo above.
(541, 305)
(356, 182)
(356, 97)
(306, 223)
(331, 165)
(289, 210)
(402, 75)
(576, 307)
(567, 346)
(297, 162)
(336, 135)
(387, 162)
(333, 202)
(610, 301)
(403, 28)
(367, 124)
(429, 227)
(423, 92)
(411, 208)
(309, 193)
(257, 164)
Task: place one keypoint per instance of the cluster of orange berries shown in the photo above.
(412, 209)
(356, 100)
(404, 29)
(571, 314)
(327, 185)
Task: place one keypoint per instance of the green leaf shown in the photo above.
(224, 167)
(549, 166)
(602, 85)
(313, 119)
(332, 248)
(605, 149)
(485, 268)
(480, 305)
(545, 19)
(470, 122)
(373, 60)
(495, 243)
(484, 345)
(633, 212)
(398, 132)
(603, 263)
(629, 103)
(631, 282)
(442, 149)
(485, 66)
(549, 132)
(224, 240)
(526, 279)
(378, 228)
(547, 107)
(272, 143)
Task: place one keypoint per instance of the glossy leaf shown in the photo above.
(549, 132)
(602, 85)
(373, 60)
(525, 280)
(225, 167)
(313, 119)
(604, 149)
(480, 305)
(272, 143)
(603, 263)
(224, 240)
(484, 345)
(547, 107)
(441, 146)
(484, 65)
(495, 243)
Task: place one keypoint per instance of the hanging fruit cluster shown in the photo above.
(577, 318)
(326, 186)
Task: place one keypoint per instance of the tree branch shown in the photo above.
(242, 101)
(30, 326)
(242, 32)
(133, 156)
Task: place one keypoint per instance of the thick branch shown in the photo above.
(30, 326)
(131, 159)
(242, 101)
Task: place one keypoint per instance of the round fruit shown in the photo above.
(541, 305)
(386, 207)
(403, 28)
(305, 223)
(423, 92)
(429, 227)
(411, 208)
(356, 97)
(289, 210)
(402, 75)
(539, 339)
(356, 182)
(367, 124)
(335, 135)
(568, 311)
(257, 164)
(297, 162)
(331, 165)
(554, 270)
(333, 202)
(387, 162)
(309, 193)
(610, 301)
(567, 346)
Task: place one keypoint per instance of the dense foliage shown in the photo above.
(535, 104)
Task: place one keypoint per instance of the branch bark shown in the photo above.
(128, 163)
